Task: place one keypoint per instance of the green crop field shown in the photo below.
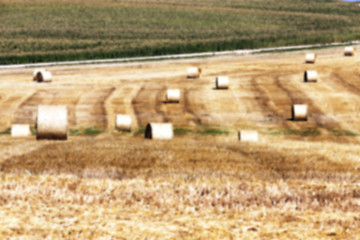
(57, 30)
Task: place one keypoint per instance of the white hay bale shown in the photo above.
(248, 136)
(159, 131)
(123, 122)
(299, 112)
(310, 76)
(193, 72)
(173, 95)
(52, 122)
(41, 75)
(222, 82)
(310, 57)
(349, 51)
(20, 130)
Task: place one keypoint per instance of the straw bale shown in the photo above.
(193, 72)
(20, 130)
(41, 75)
(159, 131)
(310, 76)
(310, 57)
(222, 82)
(299, 112)
(349, 51)
(52, 122)
(248, 136)
(123, 122)
(173, 95)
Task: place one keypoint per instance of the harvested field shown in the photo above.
(299, 181)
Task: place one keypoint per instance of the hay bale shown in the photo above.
(310, 58)
(222, 82)
(299, 112)
(159, 131)
(248, 136)
(52, 122)
(310, 76)
(193, 72)
(41, 75)
(349, 51)
(123, 122)
(173, 95)
(20, 130)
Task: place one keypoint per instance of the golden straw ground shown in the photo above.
(300, 180)
(182, 189)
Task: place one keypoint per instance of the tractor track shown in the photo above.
(147, 104)
(188, 108)
(313, 109)
(278, 106)
(347, 85)
(90, 110)
(159, 104)
(26, 113)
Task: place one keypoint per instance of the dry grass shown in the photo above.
(132, 157)
(186, 188)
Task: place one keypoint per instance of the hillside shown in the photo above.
(57, 30)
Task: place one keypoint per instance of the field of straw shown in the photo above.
(300, 181)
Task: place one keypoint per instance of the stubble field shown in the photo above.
(300, 181)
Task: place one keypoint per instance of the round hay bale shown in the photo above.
(310, 76)
(173, 95)
(193, 72)
(299, 112)
(222, 82)
(123, 122)
(40, 75)
(349, 51)
(248, 136)
(52, 122)
(310, 57)
(20, 130)
(159, 131)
